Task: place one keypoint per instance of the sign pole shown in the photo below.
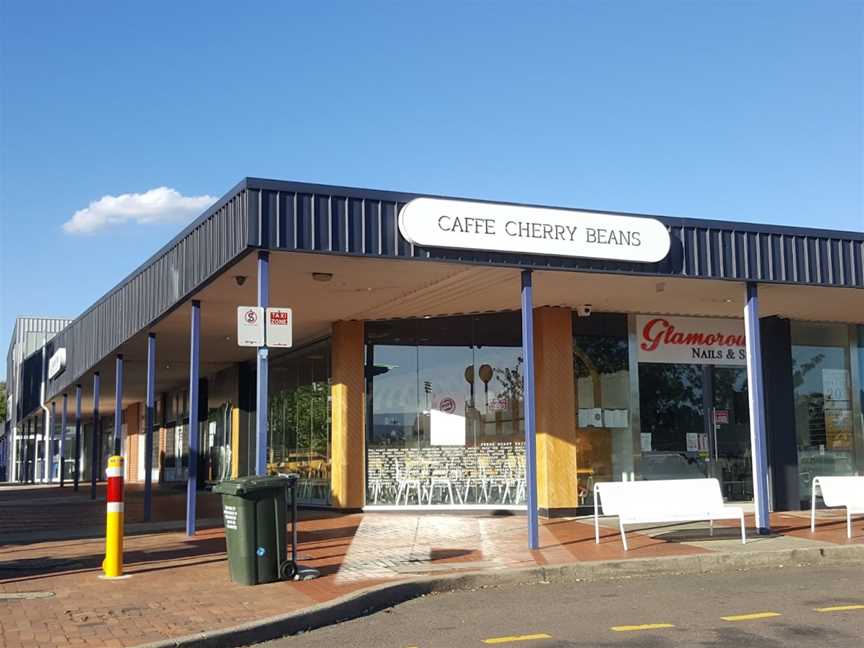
(261, 382)
(530, 424)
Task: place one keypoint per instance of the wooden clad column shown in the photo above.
(133, 438)
(347, 396)
(557, 491)
(235, 443)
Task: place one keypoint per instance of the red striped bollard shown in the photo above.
(112, 566)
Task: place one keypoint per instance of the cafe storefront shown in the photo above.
(445, 349)
(446, 421)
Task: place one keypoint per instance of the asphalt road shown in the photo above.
(779, 608)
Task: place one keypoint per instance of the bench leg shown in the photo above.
(596, 521)
(743, 531)
(623, 535)
(813, 506)
(711, 527)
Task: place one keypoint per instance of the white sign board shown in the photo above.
(250, 326)
(467, 225)
(57, 363)
(691, 340)
(279, 327)
(446, 429)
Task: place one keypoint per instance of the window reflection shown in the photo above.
(299, 420)
(446, 424)
(824, 423)
(604, 441)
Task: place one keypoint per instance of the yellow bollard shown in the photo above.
(112, 566)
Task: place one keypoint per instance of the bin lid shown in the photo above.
(254, 483)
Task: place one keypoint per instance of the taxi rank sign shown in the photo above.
(434, 222)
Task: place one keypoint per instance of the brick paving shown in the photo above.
(180, 585)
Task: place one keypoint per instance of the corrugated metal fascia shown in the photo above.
(211, 242)
(671, 221)
(31, 324)
(320, 218)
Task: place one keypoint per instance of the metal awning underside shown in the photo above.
(344, 221)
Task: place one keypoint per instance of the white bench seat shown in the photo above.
(659, 501)
(839, 492)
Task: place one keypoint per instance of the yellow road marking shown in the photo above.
(500, 640)
(645, 626)
(840, 608)
(751, 617)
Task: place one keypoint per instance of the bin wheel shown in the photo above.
(287, 570)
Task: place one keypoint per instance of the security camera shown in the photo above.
(240, 279)
(584, 310)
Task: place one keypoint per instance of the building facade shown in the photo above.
(29, 337)
(407, 382)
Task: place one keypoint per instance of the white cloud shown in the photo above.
(159, 205)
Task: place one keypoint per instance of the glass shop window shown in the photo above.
(299, 434)
(604, 441)
(828, 435)
(446, 415)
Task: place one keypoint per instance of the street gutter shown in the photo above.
(379, 597)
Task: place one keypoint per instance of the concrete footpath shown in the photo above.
(51, 548)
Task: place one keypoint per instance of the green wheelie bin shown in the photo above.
(254, 510)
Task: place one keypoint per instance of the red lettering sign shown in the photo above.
(660, 331)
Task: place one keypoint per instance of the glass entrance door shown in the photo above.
(695, 423)
(729, 432)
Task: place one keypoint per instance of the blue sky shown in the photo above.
(733, 110)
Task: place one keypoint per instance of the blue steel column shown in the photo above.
(192, 474)
(76, 475)
(51, 423)
(94, 451)
(24, 473)
(261, 383)
(34, 460)
(148, 424)
(118, 405)
(34, 451)
(529, 408)
(47, 421)
(63, 421)
(26, 451)
(756, 397)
